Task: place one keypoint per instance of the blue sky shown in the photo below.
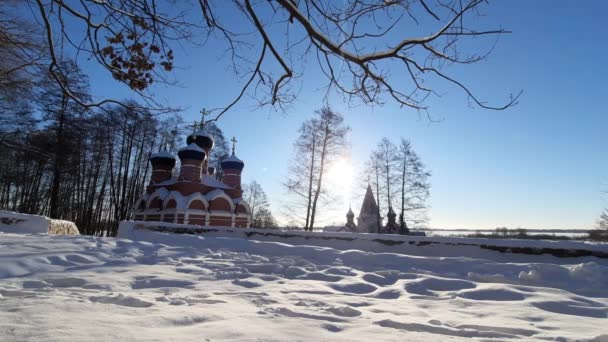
(541, 164)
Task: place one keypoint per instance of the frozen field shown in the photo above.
(189, 288)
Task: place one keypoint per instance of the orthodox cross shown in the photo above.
(233, 144)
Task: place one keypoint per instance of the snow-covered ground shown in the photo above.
(208, 288)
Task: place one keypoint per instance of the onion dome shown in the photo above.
(211, 170)
(162, 158)
(232, 163)
(201, 138)
(350, 213)
(391, 212)
(192, 151)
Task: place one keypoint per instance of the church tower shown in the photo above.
(369, 221)
(350, 221)
(232, 167)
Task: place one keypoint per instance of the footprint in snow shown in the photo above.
(121, 300)
(492, 294)
(79, 259)
(388, 294)
(160, 283)
(428, 286)
(331, 327)
(356, 288)
(246, 283)
(573, 308)
(344, 311)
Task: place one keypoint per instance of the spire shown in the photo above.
(233, 144)
(369, 205)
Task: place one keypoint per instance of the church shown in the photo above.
(195, 195)
(369, 220)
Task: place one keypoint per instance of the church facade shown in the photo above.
(194, 195)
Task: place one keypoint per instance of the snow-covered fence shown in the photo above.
(11, 222)
(414, 245)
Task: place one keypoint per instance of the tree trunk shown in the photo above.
(378, 198)
(308, 226)
(54, 204)
(320, 180)
(402, 224)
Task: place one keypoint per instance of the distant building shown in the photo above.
(195, 195)
(369, 220)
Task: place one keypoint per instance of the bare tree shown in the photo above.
(381, 168)
(401, 181)
(303, 170)
(61, 113)
(370, 51)
(415, 186)
(321, 140)
(603, 220)
(386, 154)
(261, 216)
(21, 48)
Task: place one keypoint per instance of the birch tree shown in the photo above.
(401, 181)
(261, 216)
(414, 187)
(322, 139)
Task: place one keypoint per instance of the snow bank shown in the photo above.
(181, 287)
(11, 222)
(413, 245)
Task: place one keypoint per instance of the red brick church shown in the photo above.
(194, 195)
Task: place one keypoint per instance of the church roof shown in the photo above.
(201, 132)
(212, 182)
(192, 147)
(369, 206)
(350, 213)
(232, 158)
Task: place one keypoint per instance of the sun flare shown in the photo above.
(340, 177)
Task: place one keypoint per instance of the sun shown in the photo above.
(340, 177)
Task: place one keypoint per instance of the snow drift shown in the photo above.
(413, 245)
(167, 286)
(11, 222)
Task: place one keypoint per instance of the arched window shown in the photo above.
(171, 204)
(220, 204)
(197, 204)
(156, 203)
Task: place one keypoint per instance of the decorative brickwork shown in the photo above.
(194, 195)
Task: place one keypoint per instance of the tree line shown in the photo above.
(90, 165)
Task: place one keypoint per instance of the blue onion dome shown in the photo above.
(192, 151)
(201, 138)
(233, 163)
(162, 158)
(391, 212)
